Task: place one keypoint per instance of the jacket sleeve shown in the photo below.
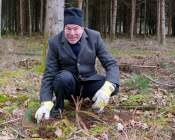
(107, 61)
(51, 69)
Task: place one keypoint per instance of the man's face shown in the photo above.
(73, 33)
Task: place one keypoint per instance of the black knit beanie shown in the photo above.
(73, 16)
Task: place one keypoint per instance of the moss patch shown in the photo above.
(22, 98)
(131, 52)
(138, 99)
(158, 121)
(3, 98)
(33, 104)
(66, 126)
(14, 74)
(9, 109)
(97, 129)
(171, 109)
(7, 76)
(138, 82)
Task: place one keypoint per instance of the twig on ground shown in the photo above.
(18, 133)
(83, 125)
(11, 121)
(79, 121)
(100, 120)
(94, 116)
(144, 66)
(157, 82)
(77, 103)
(145, 107)
(125, 135)
(73, 132)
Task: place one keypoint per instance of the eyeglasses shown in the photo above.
(72, 29)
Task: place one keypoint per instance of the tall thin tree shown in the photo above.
(30, 17)
(0, 16)
(158, 20)
(114, 17)
(170, 15)
(86, 3)
(54, 16)
(111, 18)
(21, 18)
(132, 19)
(162, 22)
(145, 16)
(41, 15)
(80, 4)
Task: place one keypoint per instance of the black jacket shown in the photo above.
(61, 57)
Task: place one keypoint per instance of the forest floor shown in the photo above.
(143, 110)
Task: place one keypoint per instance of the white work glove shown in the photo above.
(102, 96)
(44, 111)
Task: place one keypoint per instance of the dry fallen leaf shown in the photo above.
(116, 117)
(120, 127)
(59, 132)
(7, 138)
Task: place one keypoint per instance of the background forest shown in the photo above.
(110, 17)
(140, 34)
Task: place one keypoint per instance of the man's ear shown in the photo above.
(82, 29)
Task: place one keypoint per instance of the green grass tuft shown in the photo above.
(138, 82)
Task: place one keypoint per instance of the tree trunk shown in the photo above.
(132, 19)
(13, 16)
(41, 16)
(17, 25)
(87, 13)
(54, 16)
(9, 16)
(106, 21)
(162, 22)
(140, 21)
(170, 14)
(145, 18)
(158, 20)
(21, 18)
(114, 17)
(170, 25)
(173, 18)
(111, 20)
(106, 24)
(0, 17)
(121, 20)
(126, 19)
(101, 14)
(80, 4)
(30, 18)
(135, 26)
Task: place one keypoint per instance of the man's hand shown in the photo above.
(102, 96)
(44, 111)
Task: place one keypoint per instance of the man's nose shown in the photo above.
(72, 32)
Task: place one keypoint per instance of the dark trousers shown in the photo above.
(66, 84)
